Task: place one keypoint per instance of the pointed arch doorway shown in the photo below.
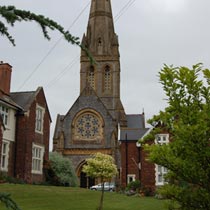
(85, 181)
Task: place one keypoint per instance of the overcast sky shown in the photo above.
(151, 33)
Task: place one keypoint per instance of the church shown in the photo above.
(97, 121)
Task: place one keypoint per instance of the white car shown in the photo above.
(108, 186)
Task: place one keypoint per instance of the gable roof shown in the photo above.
(88, 91)
(8, 101)
(26, 98)
(132, 135)
(135, 121)
(58, 126)
(135, 127)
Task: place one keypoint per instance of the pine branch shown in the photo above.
(12, 15)
(4, 31)
(7, 200)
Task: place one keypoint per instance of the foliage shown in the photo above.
(39, 197)
(12, 15)
(187, 119)
(100, 166)
(8, 201)
(60, 171)
(134, 185)
(4, 178)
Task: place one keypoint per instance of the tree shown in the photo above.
(100, 166)
(61, 171)
(7, 200)
(187, 119)
(12, 15)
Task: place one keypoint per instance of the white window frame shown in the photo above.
(5, 155)
(161, 171)
(40, 111)
(37, 159)
(4, 111)
(162, 138)
(131, 178)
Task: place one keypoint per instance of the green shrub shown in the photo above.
(134, 185)
(60, 171)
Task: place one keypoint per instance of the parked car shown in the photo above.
(108, 186)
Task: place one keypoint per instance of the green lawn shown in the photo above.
(34, 197)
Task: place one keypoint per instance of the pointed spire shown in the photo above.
(101, 37)
(99, 7)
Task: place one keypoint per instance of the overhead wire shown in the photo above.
(124, 9)
(52, 48)
(61, 74)
(76, 59)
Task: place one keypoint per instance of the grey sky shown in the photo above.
(151, 33)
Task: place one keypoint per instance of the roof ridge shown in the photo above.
(32, 91)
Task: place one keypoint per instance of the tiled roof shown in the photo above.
(132, 134)
(7, 100)
(135, 120)
(135, 128)
(58, 126)
(23, 99)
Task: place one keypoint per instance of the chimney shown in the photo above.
(5, 77)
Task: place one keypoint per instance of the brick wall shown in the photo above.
(1, 136)
(129, 164)
(146, 174)
(5, 77)
(26, 136)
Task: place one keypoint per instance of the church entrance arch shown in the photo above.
(84, 180)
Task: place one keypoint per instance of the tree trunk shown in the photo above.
(102, 197)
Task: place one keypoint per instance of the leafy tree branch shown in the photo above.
(12, 15)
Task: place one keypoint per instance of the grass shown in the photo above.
(34, 197)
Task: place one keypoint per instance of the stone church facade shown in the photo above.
(92, 124)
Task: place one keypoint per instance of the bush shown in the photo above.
(60, 171)
(134, 185)
(9, 179)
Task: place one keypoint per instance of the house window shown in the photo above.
(161, 171)
(91, 77)
(162, 139)
(4, 156)
(131, 178)
(37, 159)
(107, 79)
(39, 119)
(4, 111)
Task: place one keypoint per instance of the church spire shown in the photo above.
(102, 42)
(100, 38)
(100, 6)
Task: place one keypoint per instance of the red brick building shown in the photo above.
(25, 143)
(134, 159)
(134, 165)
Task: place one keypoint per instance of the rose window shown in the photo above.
(88, 126)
